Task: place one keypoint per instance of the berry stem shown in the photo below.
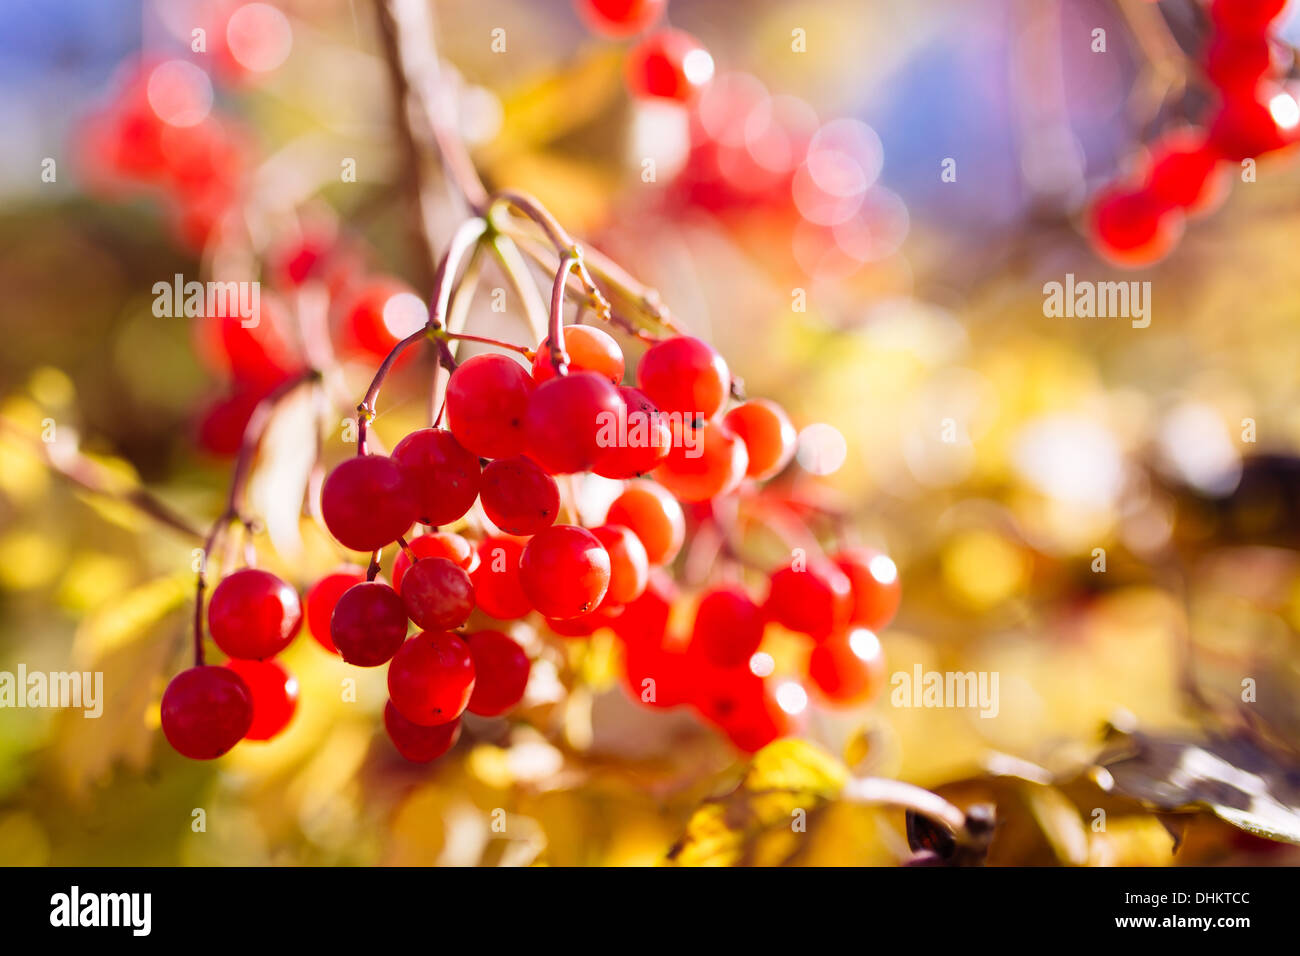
(366, 408)
(484, 340)
(906, 796)
(91, 476)
(233, 510)
(555, 332)
(373, 569)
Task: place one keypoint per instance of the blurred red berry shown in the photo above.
(668, 64)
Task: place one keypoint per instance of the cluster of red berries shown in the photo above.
(665, 64)
(1135, 223)
(512, 429)
(158, 135)
(838, 602)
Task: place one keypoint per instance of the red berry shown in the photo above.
(1236, 63)
(873, 580)
(589, 350)
(1246, 128)
(645, 620)
(274, 692)
(654, 516)
(565, 571)
(629, 569)
(222, 422)
(770, 714)
(438, 594)
(322, 598)
(571, 421)
(728, 627)
(487, 398)
(369, 624)
(768, 435)
(417, 743)
(721, 693)
(657, 675)
(444, 477)
(206, 711)
(518, 497)
(705, 461)
(439, 544)
(585, 625)
(498, 590)
(253, 614)
(619, 18)
(367, 327)
(367, 502)
(431, 678)
(685, 375)
(642, 441)
(849, 667)
(815, 599)
(668, 64)
(1182, 171)
(1245, 16)
(501, 671)
(1133, 228)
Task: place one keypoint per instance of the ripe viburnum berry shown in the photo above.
(668, 64)
(1236, 63)
(487, 398)
(629, 567)
(1245, 126)
(645, 620)
(501, 671)
(815, 600)
(705, 461)
(518, 496)
(654, 516)
(438, 544)
(728, 626)
(206, 711)
(720, 693)
(253, 614)
(368, 502)
(768, 435)
(620, 18)
(849, 667)
(656, 674)
(369, 624)
(415, 742)
(274, 692)
(1245, 16)
(589, 350)
(438, 594)
(571, 421)
(1182, 172)
(443, 475)
(498, 590)
(642, 441)
(684, 375)
(564, 571)
(431, 678)
(322, 598)
(761, 718)
(366, 327)
(873, 580)
(1133, 227)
